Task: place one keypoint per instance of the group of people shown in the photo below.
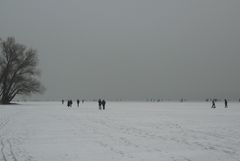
(225, 103)
(70, 102)
(101, 104)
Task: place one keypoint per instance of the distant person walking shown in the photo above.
(100, 104)
(78, 101)
(226, 103)
(213, 104)
(103, 104)
(62, 101)
(68, 103)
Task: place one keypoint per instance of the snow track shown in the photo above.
(124, 132)
(9, 116)
(7, 151)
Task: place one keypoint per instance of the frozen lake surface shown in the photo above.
(126, 131)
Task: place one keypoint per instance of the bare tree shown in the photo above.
(18, 71)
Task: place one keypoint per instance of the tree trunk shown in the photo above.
(5, 100)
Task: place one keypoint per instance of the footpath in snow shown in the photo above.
(125, 131)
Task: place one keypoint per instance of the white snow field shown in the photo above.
(125, 131)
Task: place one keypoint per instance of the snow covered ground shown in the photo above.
(126, 131)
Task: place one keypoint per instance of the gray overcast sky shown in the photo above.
(132, 49)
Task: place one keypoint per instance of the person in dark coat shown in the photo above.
(99, 104)
(68, 103)
(78, 101)
(226, 103)
(62, 101)
(213, 104)
(103, 104)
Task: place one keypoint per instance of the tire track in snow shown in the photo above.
(3, 123)
(6, 152)
(11, 151)
(2, 151)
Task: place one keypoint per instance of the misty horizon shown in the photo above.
(130, 50)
